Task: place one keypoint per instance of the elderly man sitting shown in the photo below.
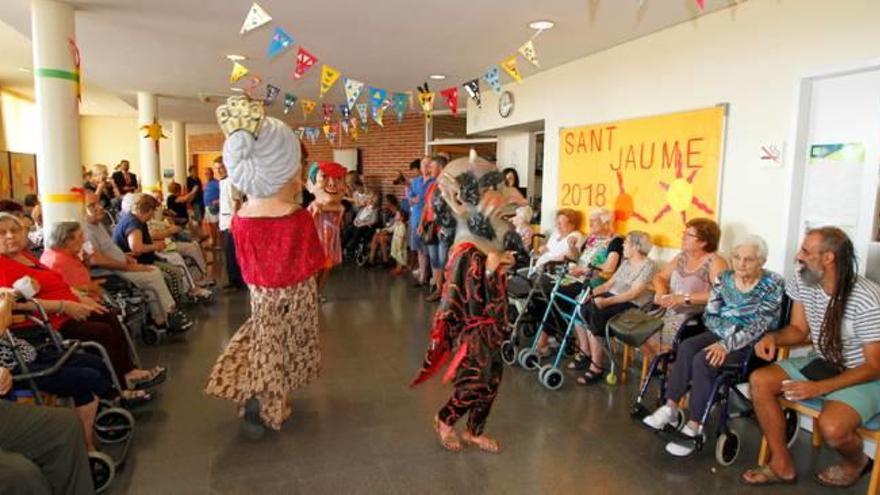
(104, 253)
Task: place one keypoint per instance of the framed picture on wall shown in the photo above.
(5, 176)
(24, 174)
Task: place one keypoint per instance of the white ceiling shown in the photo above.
(176, 48)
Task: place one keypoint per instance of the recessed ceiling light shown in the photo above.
(437, 77)
(24, 69)
(236, 58)
(541, 25)
(237, 90)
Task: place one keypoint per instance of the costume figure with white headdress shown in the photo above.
(471, 322)
(276, 350)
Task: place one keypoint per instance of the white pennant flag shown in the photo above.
(256, 17)
(352, 91)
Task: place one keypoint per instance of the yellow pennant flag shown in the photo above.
(308, 106)
(426, 99)
(353, 130)
(238, 71)
(528, 52)
(509, 66)
(329, 75)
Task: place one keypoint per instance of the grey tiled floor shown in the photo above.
(360, 429)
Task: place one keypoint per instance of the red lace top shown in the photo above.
(277, 251)
(52, 285)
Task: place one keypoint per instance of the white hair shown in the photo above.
(602, 214)
(525, 213)
(128, 201)
(261, 167)
(756, 242)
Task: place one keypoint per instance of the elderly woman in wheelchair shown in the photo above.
(743, 304)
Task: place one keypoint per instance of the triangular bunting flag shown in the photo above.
(328, 111)
(377, 97)
(328, 133)
(312, 133)
(509, 66)
(298, 132)
(345, 111)
(378, 114)
(701, 4)
(345, 125)
(289, 102)
(252, 86)
(271, 93)
(426, 100)
(280, 41)
(353, 130)
(362, 112)
(528, 52)
(329, 75)
(308, 106)
(451, 97)
(473, 89)
(304, 62)
(256, 17)
(493, 77)
(400, 101)
(238, 71)
(352, 91)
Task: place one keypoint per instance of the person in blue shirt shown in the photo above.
(416, 196)
(212, 208)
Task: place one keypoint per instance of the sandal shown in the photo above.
(590, 377)
(155, 377)
(580, 362)
(450, 440)
(834, 477)
(481, 442)
(134, 398)
(767, 477)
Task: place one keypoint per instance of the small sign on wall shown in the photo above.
(772, 155)
(167, 173)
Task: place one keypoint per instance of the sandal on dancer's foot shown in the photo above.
(836, 477)
(482, 442)
(134, 398)
(764, 476)
(450, 440)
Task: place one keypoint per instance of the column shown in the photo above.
(150, 132)
(178, 140)
(56, 86)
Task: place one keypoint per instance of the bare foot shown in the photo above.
(482, 442)
(448, 438)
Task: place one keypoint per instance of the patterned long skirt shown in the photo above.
(275, 352)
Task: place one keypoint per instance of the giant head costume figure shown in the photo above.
(325, 181)
(476, 206)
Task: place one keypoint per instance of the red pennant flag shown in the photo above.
(701, 4)
(328, 111)
(304, 62)
(451, 97)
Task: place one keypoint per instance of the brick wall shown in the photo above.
(384, 151)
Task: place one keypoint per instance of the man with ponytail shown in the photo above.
(838, 311)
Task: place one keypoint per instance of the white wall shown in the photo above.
(516, 149)
(750, 56)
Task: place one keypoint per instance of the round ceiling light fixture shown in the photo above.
(235, 58)
(437, 77)
(542, 25)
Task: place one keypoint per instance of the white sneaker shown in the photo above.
(663, 416)
(683, 448)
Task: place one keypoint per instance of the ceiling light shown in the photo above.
(541, 25)
(24, 69)
(237, 90)
(437, 77)
(236, 58)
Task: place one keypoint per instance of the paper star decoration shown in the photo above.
(154, 131)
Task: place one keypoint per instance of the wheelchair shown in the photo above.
(359, 253)
(114, 425)
(131, 302)
(725, 386)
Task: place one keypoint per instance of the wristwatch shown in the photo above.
(687, 298)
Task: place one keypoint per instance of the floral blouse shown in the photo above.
(741, 318)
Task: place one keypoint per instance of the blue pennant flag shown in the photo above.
(377, 97)
(280, 42)
(493, 77)
(401, 100)
(345, 111)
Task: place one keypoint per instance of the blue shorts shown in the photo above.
(415, 240)
(438, 253)
(864, 397)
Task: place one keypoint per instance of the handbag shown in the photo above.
(634, 326)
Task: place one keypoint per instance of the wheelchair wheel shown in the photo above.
(114, 425)
(792, 426)
(360, 256)
(727, 448)
(682, 420)
(552, 378)
(528, 359)
(150, 336)
(103, 470)
(508, 353)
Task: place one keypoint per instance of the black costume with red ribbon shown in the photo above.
(469, 328)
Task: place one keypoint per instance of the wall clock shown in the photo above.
(505, 104)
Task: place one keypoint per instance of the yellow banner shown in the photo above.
(654, 173)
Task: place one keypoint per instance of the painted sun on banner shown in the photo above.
(654, 173)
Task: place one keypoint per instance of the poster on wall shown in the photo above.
(654, 173)
(5, 176)
(24, 175)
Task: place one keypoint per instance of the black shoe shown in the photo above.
(252, 426)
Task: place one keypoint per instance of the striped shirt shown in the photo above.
(861, 319)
